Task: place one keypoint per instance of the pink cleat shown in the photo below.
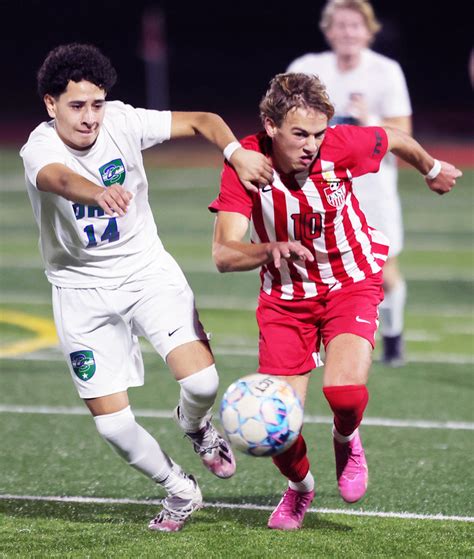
(213, 449)
(351, 469)
(177, 509)
(290, 511)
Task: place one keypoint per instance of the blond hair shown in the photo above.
(291, 91)
(363, 7)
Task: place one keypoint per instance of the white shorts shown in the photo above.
(98, 328)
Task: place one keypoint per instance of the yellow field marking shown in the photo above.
(43, 328)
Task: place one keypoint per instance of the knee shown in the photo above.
(111, 425)
(202, 385)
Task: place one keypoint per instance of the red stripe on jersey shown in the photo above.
(358, 254)
(259, 226)
(379, 250)
(356, 247)
(334, 254)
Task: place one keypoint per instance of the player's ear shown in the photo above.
(270, 127)
(50, 104)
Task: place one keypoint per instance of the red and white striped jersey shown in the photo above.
(317, 208)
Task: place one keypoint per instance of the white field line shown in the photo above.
(242, 506)
(314, 419)
(447, 359)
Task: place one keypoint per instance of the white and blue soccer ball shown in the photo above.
(261, 415)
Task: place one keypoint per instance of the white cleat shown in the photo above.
(214, 451)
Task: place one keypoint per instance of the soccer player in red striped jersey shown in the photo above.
(321, 264)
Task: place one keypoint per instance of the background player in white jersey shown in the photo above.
(368, 89)
(112, 280)
(320, 264)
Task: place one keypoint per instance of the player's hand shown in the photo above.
(446, 179)
(252, 167)
(290, 250)
(114, 200)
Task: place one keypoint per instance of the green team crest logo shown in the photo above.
(113, 172)
(83, 363)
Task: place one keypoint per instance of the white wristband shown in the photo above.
(435, 171)
(230, 148)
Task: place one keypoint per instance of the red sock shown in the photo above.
(348, 404)
(293, 463)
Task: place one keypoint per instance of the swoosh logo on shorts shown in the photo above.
(359, 319)
(174, 331)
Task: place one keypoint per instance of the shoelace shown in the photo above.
(177, 515)
(300, 504)
(199, 442)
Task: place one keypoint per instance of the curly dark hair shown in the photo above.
(75, 62)
(289, 91)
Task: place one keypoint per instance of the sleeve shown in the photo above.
(396, 101)
(36, 154)
(366, 146)
(141, 128)
(232, 196)
(155, 126)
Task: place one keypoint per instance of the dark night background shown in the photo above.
(221, 55)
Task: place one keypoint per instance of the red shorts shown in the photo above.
(291, 331)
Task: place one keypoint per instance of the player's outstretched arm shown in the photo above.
(232, 254)
(252, 167)
(440, 176)
(60, 180)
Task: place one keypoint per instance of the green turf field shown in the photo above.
(419, 424)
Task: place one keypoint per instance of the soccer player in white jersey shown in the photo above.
(112, 279)
(368, 89)
(320, 261)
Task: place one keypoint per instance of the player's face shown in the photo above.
(348, 33)
(78, 113)
(296, 143)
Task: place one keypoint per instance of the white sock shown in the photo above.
(176, 483)
(303, 486)
(134, 444)
(198, 393)
(343, 438)
(391, 311)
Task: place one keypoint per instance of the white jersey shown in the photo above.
(382, 83)
(81, 245)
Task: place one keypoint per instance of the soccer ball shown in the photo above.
(261, 415)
